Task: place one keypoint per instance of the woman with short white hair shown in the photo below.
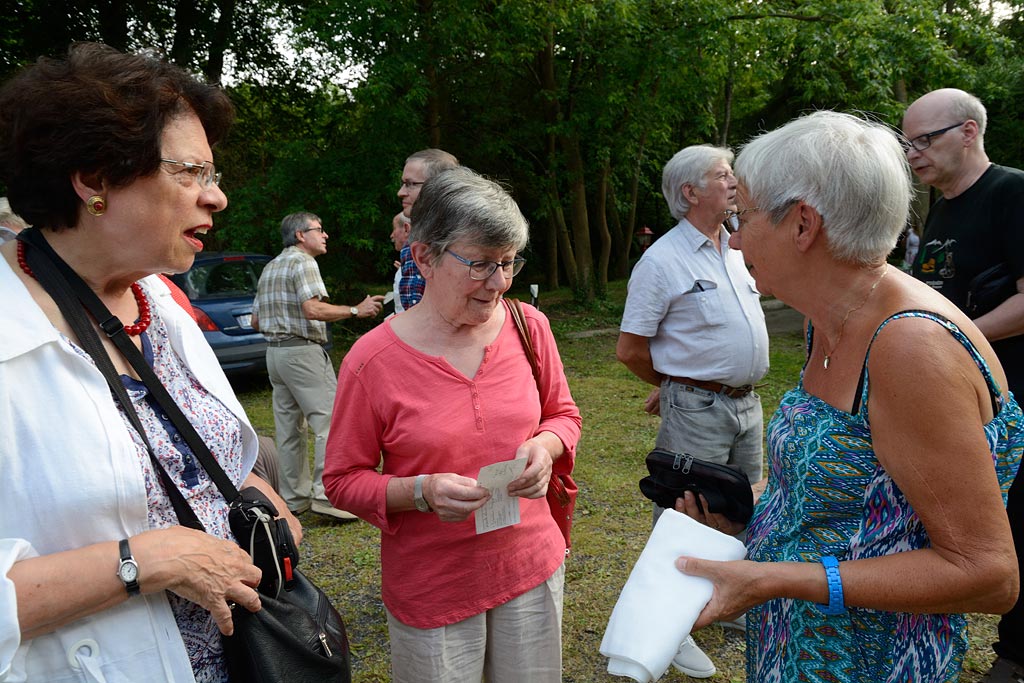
(883, 520)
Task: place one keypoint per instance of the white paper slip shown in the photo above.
(501, 510)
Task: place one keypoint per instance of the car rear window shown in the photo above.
(222, 280)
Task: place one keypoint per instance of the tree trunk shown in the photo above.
(113, 19)
(433, 113)
(579, 219)
(603, 234)
(220, 40)
(560, 244)
(552, 115)
(622, 260)
(184, 29)
(723, 139)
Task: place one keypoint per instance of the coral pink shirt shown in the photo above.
(418, 415)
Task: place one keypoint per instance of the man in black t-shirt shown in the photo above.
(976, 224)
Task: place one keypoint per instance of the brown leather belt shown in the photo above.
(717, 387)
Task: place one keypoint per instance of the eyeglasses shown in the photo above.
(409, 184)
(319, 227)
(734, 219)
(205, 172)
(923, 142)
(481, 270)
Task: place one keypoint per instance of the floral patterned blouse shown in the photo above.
(221, 432)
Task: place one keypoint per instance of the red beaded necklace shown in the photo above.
(140, 298)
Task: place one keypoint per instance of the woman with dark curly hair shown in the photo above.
(109, 157)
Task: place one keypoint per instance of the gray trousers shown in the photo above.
(712, 427)
(304, 384)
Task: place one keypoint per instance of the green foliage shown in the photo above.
(552, 96)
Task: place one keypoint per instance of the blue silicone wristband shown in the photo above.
(835, 587)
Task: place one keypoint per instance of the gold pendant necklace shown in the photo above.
(842, 325)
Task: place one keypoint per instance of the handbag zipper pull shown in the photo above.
(323, 641)
(688, 464)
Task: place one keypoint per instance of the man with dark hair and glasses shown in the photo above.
(977, 224)
(291, 313)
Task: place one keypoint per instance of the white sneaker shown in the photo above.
(692, 661)
(331, 511)
(737, 624)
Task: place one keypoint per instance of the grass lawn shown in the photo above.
(612, 516)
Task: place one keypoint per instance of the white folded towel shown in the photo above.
(659, 604)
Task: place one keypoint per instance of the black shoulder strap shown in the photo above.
(65, 286)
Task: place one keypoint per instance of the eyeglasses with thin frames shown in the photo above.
(409, 184)
(206, 173)
(734, 219)
(924, 141)
(481, 270)
(319, 227)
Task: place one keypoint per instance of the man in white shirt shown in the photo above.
(693, 327)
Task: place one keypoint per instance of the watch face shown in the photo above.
(129, 571)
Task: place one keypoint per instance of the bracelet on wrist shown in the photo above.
(835, 605)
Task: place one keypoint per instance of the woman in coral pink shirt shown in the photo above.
(424, 401)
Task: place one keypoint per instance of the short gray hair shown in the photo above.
(461, 205)
(851, 171)
(294, 223)
(689, 166)
(434, 161)
(964, 105)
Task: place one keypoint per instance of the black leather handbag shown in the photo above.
(297, 636)
(727, 490)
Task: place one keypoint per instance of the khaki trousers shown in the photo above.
(304, 383)
(518, 642)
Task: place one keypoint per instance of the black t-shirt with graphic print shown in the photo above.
(970, 233)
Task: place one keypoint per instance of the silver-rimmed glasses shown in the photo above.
(481, 270)
(205, 172)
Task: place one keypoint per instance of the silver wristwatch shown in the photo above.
(354, 311)
(417, 495)
(128, 569)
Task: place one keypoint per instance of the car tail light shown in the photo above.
(204, 321)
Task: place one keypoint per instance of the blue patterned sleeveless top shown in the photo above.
(827, 494)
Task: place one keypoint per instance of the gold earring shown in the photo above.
(96, 205)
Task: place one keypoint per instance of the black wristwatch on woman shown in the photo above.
(128, 570)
